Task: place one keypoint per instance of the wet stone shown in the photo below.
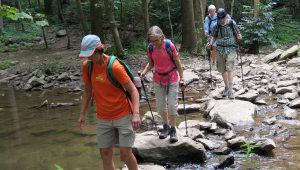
(270, 121)
(226, 162)
(222, 151)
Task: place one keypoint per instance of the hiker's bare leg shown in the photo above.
(230, 76)
(165, 118)
(173, 120)
(213, 54)
(225, 78)
(128, 158)
(107, 159)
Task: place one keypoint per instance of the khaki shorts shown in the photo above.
(166, 102)
(110, 133)
(225, 62)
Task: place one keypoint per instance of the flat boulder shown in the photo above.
(295, 62)
(150, 148)
(273, 56)
(289, 53)
(234, 111)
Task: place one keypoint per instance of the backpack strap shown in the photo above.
(168, 49)
(209, 23)
(230, 23)
(109, 72)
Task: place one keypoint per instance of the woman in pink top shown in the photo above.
(164, 57)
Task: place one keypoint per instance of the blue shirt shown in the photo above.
(207, 27)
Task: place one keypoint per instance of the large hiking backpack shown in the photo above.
(218, 28)
(109, 72)
(209, 23)
(168, 49)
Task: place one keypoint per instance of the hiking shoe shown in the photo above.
(231, 94)
(225, 92)
(165, 132)
(173, 135)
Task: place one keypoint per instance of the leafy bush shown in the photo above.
(6, 64)
(256, 30)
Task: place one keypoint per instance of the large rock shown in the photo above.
(234, 111)
(287, 83)
(189, 108)
(61, 33)
(263, 145)
(295, 62)
(273, 56)
(36, 81)
(291, 96)
(190, 76)
(289, 53)
(290, 113)
(249, 96)
(282, 90)
(149, 148)
(295, 103)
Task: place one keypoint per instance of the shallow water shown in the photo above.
(38, 138)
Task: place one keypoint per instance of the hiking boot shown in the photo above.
(225, 92)
(165, 132)
(230, 94)
(173, 136)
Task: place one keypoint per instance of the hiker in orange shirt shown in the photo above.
(117, 116)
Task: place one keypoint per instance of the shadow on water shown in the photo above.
(40, 138)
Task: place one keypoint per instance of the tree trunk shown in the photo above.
(82, 18)
(97, 18)
(232, 6)
(48, 7)
(61, 14)
(44, 36)
(220, 4)
(170, 22)
(39, 4)
(188, 26)
(256, 8)
(199, 12)
(20, 9)
(145, 12)
(29, 3)
(113, 26)
(1, 22)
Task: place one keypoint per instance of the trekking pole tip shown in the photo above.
(139, 73)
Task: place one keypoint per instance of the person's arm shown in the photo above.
(206, 26)
(179, 67)
(148, 67)
(86, 100)
(237, 31)
(136, 120)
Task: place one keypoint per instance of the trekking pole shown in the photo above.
(139, 74)
(209, 60)
(239, 54)
(184, 111)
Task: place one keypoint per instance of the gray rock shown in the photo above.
(208, 144)
(270, 121)
(226, 162)
(295, 103)
(234, 111)
(273, 56)
(229, 135)
(61, 33)
(283, 101)
(150, 149)
(147, 167)
(283, 90)
(263, 145)
(222, 151)
(250, 96)
(291, 96)
(210, 105)
(189, 76)
(236, 142)
(295, 62)
(35, 81)
(289, 53)
(189, 108)
(147, 120)
(192, 133)
(260, 102)
(287, 83)
(64, 76)
(290, 113)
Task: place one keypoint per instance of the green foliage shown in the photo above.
(7, 12)
(256, 30)
(7, 63)
(248, 148)
(58, 167)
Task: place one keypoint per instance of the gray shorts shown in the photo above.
(110, 133)
(225, 62)
(166, 102)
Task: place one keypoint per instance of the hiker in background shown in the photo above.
(164, 57)
(115, 123)
(209, 22)
(225, 33)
